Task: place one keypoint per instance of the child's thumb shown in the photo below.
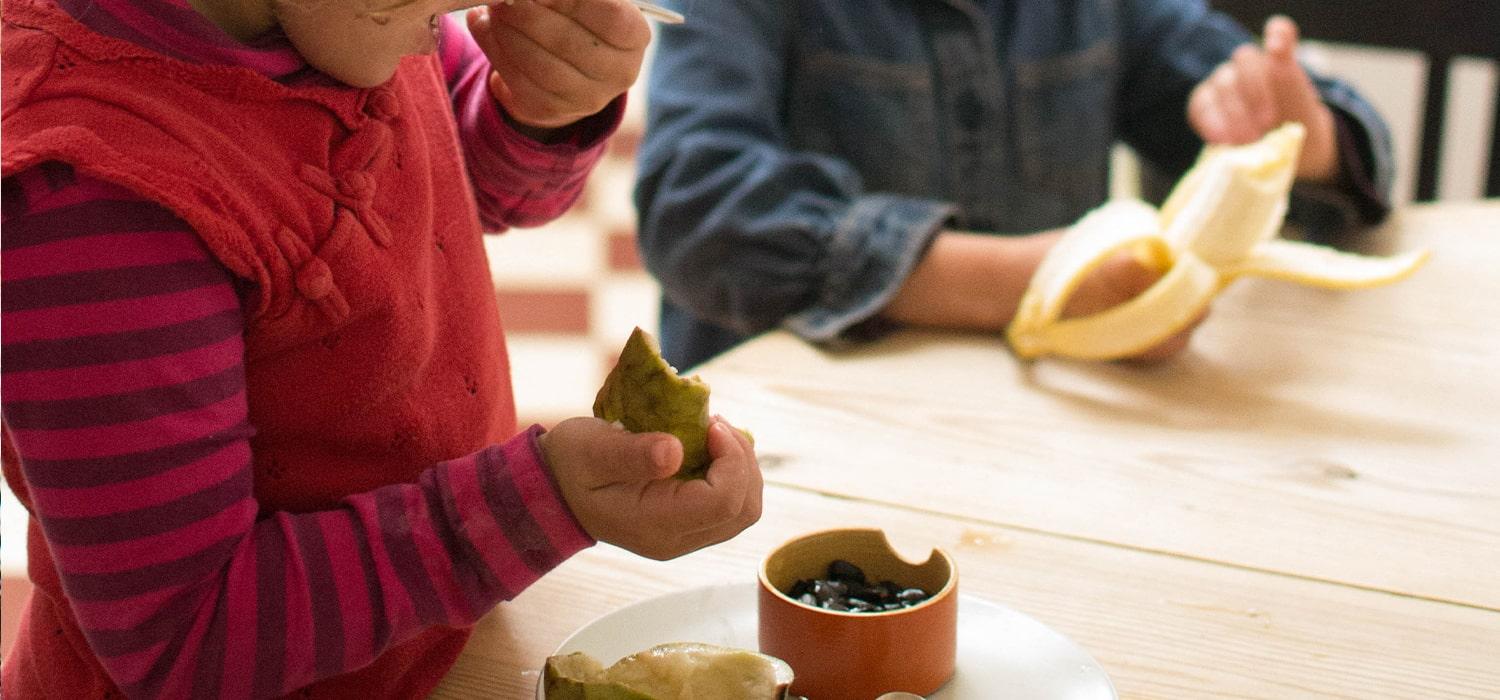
(596, 454)
(666, 455)
(647, 456)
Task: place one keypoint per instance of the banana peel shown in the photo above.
(644, 394)
(676, 671)
(1219, 223)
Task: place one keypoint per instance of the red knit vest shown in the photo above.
(373, 345)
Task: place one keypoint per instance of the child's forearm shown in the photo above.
(969, 280)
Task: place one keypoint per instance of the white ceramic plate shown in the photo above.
(1001, 653)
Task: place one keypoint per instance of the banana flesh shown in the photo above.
(1220, 223)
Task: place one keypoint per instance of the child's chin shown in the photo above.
(362, 76)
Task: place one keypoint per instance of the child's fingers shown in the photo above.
(616, 22)
(556, 54)
(533, 85)
(728, 443)
(1226, 109)
(512, 45)
(1281, 38)
(1205, 117)
(1283, 72)
(536, 102)
(548, 23)
(723, 532)
(747, 443)
(698, 505)
(724, 440)
(501, 91)
(734, 447)
(1255, 86)
(478, 20)
(729, 476)
(757, 487)
(1297, 97)
(528, 27)
(482, 28)
(665, 518)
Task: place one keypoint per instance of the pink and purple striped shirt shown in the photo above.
(124, 381)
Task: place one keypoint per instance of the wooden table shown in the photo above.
(1306, 504)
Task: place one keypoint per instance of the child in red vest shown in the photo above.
(256, 395)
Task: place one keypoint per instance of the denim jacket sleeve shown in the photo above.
(740, 228)
(1172, 45)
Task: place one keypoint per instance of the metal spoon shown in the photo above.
(657, 12)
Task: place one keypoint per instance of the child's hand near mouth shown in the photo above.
(558, 61)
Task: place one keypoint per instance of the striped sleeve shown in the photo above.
(125, 397)
(517, 181)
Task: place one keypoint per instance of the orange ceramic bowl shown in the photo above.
(859, 655)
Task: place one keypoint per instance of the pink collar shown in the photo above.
(174, 28)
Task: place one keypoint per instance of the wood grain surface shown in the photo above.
(1305, 504)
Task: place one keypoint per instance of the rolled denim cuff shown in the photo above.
(1366, 155)
(874, 248)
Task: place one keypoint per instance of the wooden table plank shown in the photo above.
(1161, 625)
(1349, 437)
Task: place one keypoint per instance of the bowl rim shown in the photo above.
(947, 589)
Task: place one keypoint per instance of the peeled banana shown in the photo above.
(1219, 223)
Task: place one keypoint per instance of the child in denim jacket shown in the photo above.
(832, 167)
